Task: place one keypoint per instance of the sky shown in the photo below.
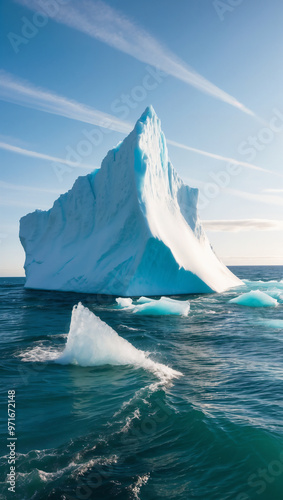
(75, 75)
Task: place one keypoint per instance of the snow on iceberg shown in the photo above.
(255, 298)
(91, 342)
(153, 307)
(130, 228)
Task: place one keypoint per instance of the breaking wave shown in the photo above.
(91, 342)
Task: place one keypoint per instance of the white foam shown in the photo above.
(129, 328)
(91, 342)
(84, 467)
(39, 353)
(136, 487)
(129, 420)
(73, 468)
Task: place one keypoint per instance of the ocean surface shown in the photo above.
(202, 420)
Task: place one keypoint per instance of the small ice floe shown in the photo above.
(255, 298)
(155, 307)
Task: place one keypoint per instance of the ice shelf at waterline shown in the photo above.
(129, 228)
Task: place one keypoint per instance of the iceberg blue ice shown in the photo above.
(153, 307)
(276, 293)
(255, 298)
(130, 228)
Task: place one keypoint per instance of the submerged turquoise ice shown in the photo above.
(144, 407)
(255, 298)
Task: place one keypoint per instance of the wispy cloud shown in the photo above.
(26, 94)
(108, 25)
(9, 139)
(278, 191)
(25, 188)
(243, 225)
(34, 154)
(13, 89)
(218, 157)
(41, 156)
(23, 204)
(268, 199)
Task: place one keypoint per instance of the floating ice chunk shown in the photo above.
(122, 302)
(163, 306)
(273, 288)
(160, 307)
(91, 342)
(255, 298)
(144, 300)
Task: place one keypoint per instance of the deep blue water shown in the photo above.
(119, 432)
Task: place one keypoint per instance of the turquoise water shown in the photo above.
(123, 432)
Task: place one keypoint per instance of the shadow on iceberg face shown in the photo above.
(158, 273)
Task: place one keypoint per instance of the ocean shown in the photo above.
(203, 420)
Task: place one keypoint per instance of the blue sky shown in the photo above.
(88, 69)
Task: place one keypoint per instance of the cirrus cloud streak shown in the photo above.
(240, 225)
(108, 25)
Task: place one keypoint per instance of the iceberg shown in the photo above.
(130, 228)
(255, 298)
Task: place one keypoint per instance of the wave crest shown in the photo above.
(91, 342)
